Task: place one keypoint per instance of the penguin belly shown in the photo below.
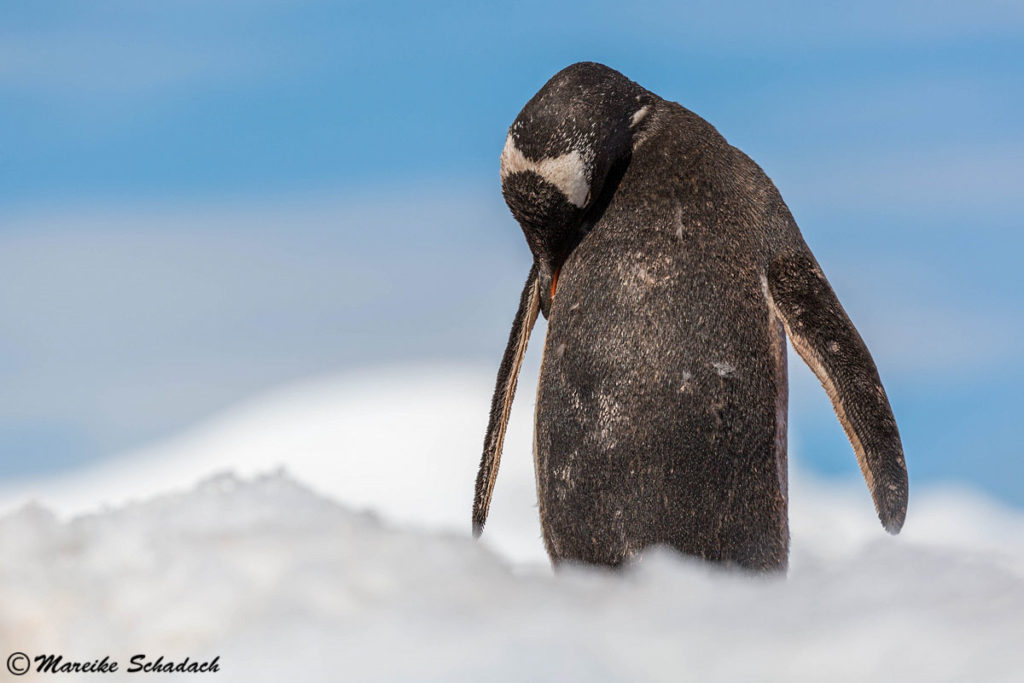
(661, 411)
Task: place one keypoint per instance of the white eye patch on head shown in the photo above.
(567, 172)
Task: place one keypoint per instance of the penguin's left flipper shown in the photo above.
(823, 335)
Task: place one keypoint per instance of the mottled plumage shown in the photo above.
(670, 271)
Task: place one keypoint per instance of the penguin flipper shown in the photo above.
(501, 403)
(823, 335)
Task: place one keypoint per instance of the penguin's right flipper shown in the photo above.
(823, 335)
(501, 403)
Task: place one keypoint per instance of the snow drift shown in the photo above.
(356, 563)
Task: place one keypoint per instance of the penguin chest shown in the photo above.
(656, 408)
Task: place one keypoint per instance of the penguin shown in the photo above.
(671, 273)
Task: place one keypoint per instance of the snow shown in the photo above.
(355, 562)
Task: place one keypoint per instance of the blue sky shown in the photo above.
(201, 200)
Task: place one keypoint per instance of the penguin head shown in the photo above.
(562, 157)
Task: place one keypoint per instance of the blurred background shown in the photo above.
(200, 202)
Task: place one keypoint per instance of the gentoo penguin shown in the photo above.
(670, 272)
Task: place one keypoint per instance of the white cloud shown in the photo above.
(130, 323)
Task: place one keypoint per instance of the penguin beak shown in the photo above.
(548, 282)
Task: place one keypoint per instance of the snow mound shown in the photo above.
(281, 583)
(404, 442)
(357, 564)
